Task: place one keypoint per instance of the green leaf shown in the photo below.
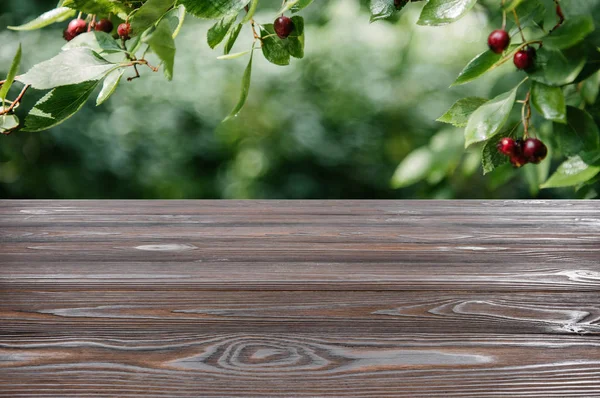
(58, 105)
(213, 9)
(382, 9)
(579, 134)
(442, 12)
(99, 7)
(48, 18)
(573, 171)
(489, 118)
(219, 30)
(8, 123)
(294, 43)
(251, 10)
(148, 14)
(549, 101)
(74, 66)
(301, 4)
(413, 168)
(556, 67)
(233, 35)
(490, 156)
(459, 113)
(245, 88)
(111, 81)
(12, 72)
(477, 67)
(570, 33)
(175, 18)
(591, 88)
(96, 41)
(272, 46)
(161, 42)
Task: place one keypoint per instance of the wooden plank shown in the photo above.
(77, 312)
(297, 364)
(300, 298)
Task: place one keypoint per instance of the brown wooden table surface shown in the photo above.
(299, 298)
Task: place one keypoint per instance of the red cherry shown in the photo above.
(534, 150)
(104, 25)
(498, 41)
(524, 59)
(507, 146)
(283, 27)
(74, 29)
(124, 30)
(517, 158)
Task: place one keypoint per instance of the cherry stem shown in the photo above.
(16, 102)
(519, 25)
(92, 23)
(526, 114)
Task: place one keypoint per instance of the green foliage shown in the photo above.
(558, 96)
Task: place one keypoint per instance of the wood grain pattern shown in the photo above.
(276, 298)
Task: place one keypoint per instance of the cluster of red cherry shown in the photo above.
(521, 152)
(79, 26)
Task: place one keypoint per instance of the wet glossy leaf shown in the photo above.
(489, 118)
(442, 12)
(549, 101)
(573, 171)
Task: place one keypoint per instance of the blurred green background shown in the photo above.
(333, 125)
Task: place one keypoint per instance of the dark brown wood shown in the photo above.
(301, 298)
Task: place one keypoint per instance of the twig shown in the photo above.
(560, 15)
(16, 101)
